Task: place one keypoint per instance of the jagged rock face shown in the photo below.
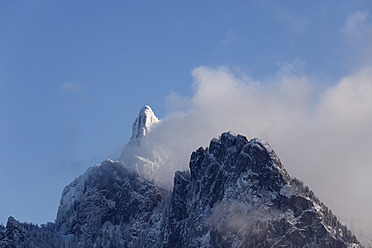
(235, 194)
(13, 234)
(142, 123)
(238, 194)
(109, 205)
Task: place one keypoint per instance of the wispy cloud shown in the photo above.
(239, 218)
(354, 21)
(295, 67)
(231, 37)
(295, 23)
(357, 39)
(70, 87)
(176, 102)
(325, 142)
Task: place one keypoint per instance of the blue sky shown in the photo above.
(74, 74)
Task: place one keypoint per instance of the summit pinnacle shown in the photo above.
(141, 125)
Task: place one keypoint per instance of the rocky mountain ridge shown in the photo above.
(236, 193)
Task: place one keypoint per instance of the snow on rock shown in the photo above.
(147, 159)
(98, 206)
(236, 193)
(142, 123)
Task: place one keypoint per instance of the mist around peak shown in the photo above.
(321, 134)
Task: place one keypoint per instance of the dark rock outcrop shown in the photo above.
(236, 193)
(109, 206)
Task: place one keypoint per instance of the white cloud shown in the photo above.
(326, 143)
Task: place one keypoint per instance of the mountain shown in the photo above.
(109, 206)
(142, 124)
(236, 193)
(143, 157)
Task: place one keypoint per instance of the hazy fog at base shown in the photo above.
(322, 135)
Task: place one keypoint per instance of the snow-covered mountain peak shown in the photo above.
(140, 154)
(236, 193)
(142, 123)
